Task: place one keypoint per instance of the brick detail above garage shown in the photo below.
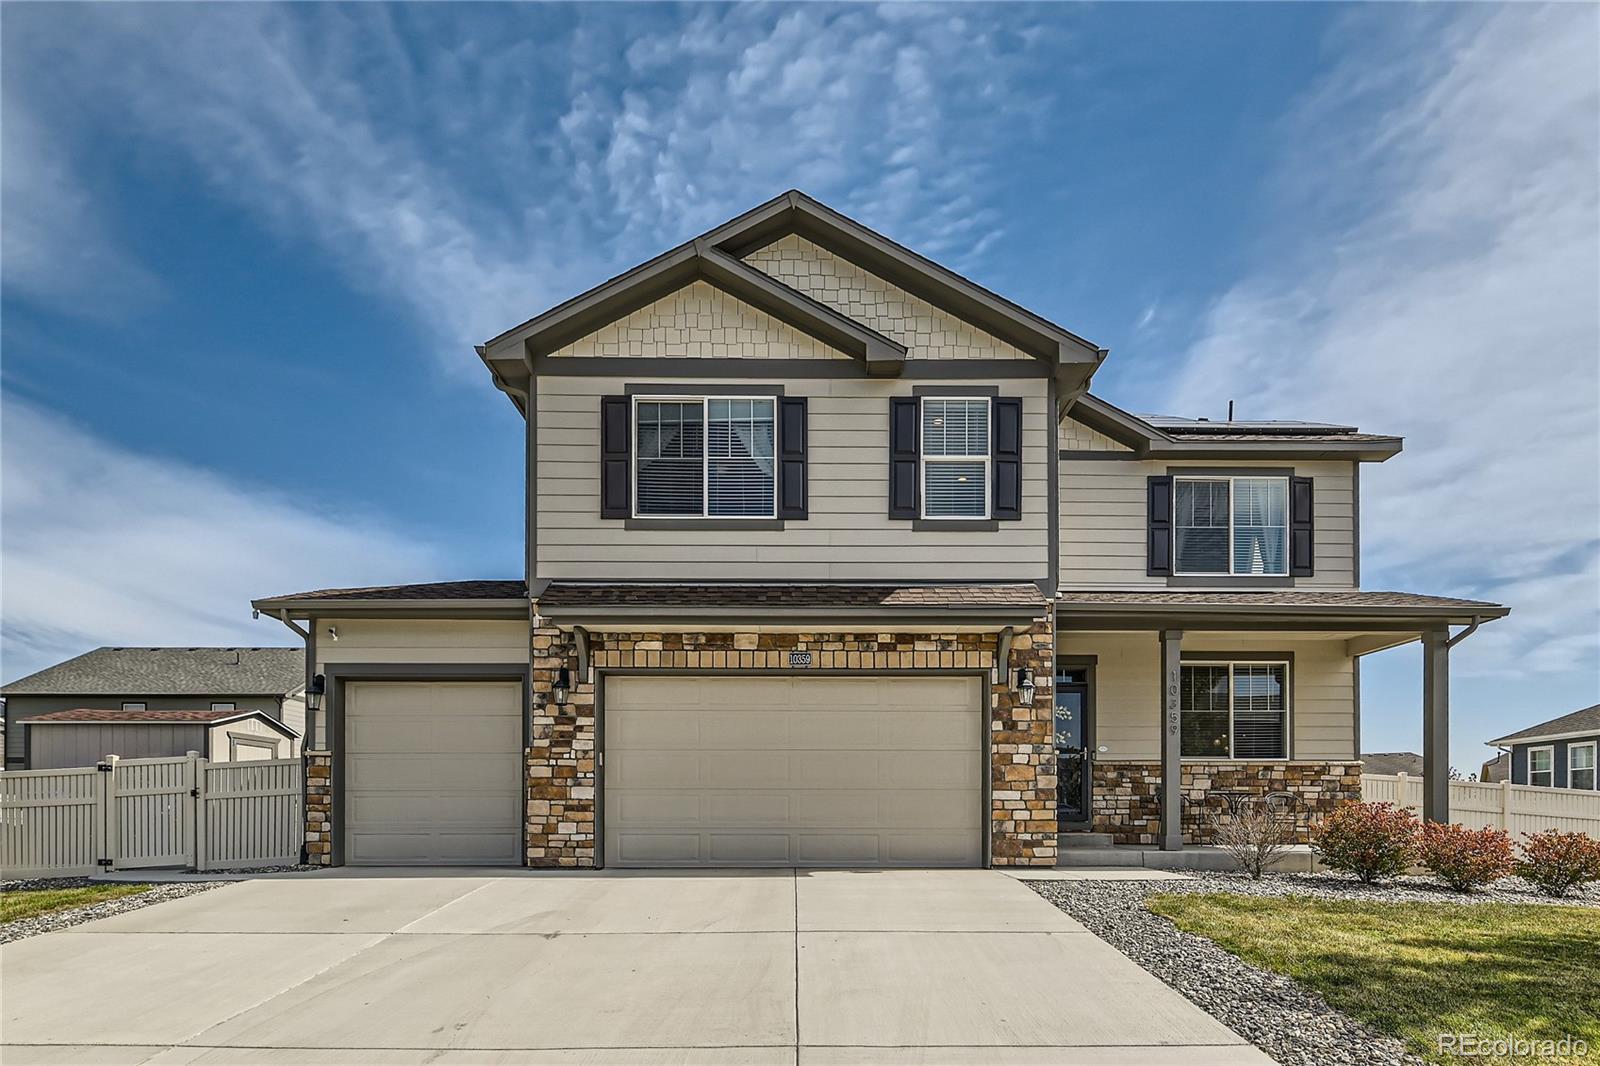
(561, 768)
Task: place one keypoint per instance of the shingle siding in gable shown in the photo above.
(1077, 437)
(700, 321)
(926, 331)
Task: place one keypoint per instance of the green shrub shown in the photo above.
(1370, 840)
(1558, 862)
(1464, 858)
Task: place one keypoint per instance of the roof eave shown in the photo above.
(514, 607)
(677, 617)
(1313, 616)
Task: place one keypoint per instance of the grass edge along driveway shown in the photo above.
(1416, 970)
(16, 904)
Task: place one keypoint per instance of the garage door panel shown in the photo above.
(433, 773)
(815, 771)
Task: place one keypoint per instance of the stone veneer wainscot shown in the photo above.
(1127, 801)
(561, 776)
(319, 807)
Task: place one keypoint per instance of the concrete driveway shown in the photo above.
(757, 967)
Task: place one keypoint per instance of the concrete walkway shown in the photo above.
(479, 967)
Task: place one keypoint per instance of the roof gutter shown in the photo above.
(382, 608)
(694, 617)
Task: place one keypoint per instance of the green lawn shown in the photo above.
(1417, 970)
(31, 902)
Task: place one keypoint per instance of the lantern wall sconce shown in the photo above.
(1025, 685)
(315, 691)
(562, 686)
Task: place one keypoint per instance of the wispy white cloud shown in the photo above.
(103, 546)
(1440, 282)
(521, 159)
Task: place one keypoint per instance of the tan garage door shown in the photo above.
(793, 771)
(433, 773)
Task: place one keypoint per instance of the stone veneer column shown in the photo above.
(562, 780)
(319, 807)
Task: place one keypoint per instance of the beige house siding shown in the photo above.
(848, 534)
(700, 321)
(1077, 437)
(1103, 521)
(434, 640)
(926, 331)
(1127, 672)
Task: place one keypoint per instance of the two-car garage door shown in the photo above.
(793, 771)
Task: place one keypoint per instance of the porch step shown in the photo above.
(1084, 840)
(1193, 857)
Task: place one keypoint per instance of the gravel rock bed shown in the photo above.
(62, 919)
(1394, 890)
(1292, 1024)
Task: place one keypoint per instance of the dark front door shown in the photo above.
(1074, 734)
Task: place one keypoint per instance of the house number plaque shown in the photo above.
(799, 658)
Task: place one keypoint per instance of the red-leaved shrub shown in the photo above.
(1464, 858)
(1370, 840)
(1558, 862)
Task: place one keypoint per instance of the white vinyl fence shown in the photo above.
(127, 814)
(1517, 809)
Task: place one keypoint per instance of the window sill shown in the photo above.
(704, 524)
(953, 525)
(1229, 581)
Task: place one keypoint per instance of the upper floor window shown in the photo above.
(1542, 766)
(955, 458)
(1580, 765)
(1231, 525)
(224, 707)
(704, 457)
(130, 705)
(1235, 710)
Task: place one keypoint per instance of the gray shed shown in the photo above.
(84, 736)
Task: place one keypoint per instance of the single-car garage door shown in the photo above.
(433, 772)
(793, 771)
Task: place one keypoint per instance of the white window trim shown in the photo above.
(705, 458)
(1551, 748)
(1288, 711)
(1594, 763)
(1230, 479)
(224, 705)
(135, 705)
(987, 457)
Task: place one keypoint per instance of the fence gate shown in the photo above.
(129, 814)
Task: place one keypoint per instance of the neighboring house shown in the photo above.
(1389, 763)
(83, 737)
(1496, 770)
(135, 681)
(833, 560)
(1560, 753)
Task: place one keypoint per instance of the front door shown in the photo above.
(1074, 735)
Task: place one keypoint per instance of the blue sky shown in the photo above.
(247, 251)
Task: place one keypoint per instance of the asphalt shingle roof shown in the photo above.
(169, 672)
(1586, 720)
(667, 596)
(1265, 598)
(432, 590)
(90, 714)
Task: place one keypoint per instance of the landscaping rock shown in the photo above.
(63, 919)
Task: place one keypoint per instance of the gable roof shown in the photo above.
(444, 599)
(169, 672)
(714, 257)
(1169, 437)
(104, 716)
(1579, 723)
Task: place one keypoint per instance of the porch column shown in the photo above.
(1171, 740)
(1436, 725)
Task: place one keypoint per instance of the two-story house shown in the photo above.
(1560, 753)
(833, 560)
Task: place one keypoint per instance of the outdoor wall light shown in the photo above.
(562, 686)
(314, 692)
(1025, 684)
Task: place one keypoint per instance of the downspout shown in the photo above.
(1465, 633)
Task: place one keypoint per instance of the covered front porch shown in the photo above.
(1174, 707)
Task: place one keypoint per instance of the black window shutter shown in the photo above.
(903, 414)
(792, 502)
(616, 456)
(1302, 530)
(1006, 459)
(1159, 526)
